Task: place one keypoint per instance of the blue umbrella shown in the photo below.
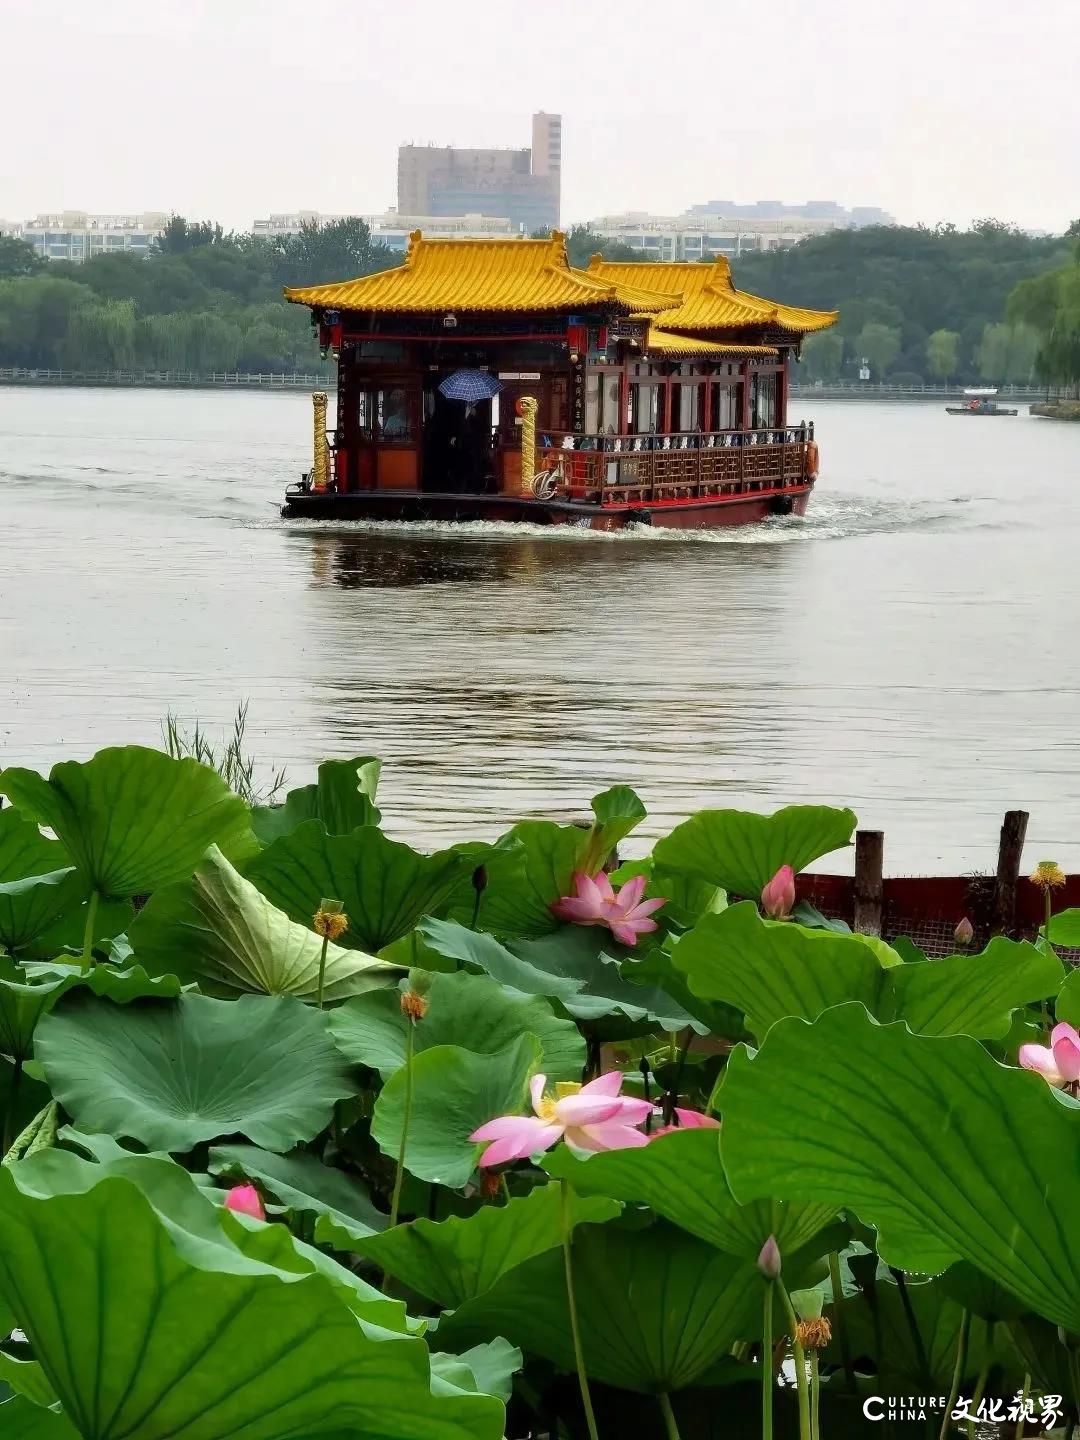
(470, 386)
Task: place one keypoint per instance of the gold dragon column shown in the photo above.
(528, 443)
(319, 467)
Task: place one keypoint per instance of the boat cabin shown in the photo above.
(491, 379)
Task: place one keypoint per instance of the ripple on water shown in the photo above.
(903, 664)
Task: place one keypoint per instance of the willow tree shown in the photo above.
(1050, 304)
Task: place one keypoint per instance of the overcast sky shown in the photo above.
(235, 108)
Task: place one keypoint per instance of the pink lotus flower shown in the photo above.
(588, 1117)
(778, 896)
(595, 903)
(686, 1120)
(244, 1200)
(1059, 1062)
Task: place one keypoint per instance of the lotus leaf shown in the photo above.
(343, 799)
(27, 993)
(455, 1091)
(1067, 1005)
(616, 813)
(174, 1072)
(133, 819)
(385, 887)
(218, 930)
(470, 1011)
(681, 1177)
(300, 1182)
(24, 850)
(1065, 929)
(23, 1420)
(458, 1259)
(953, 1156)
(579, 966)
(525, 871)
(488, 1369)
(149, 1319)
(689, 1304)
(772, 969)
(741, 852)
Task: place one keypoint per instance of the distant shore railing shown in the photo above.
(169, 379)
(882, 390)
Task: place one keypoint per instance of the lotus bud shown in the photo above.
(768, 1262)
(1047, 875)
(964, 933)
(778, 896)
(244, 1200)
(479, 879)
(330, 920)
(414, 1006)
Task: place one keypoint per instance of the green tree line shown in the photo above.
(202, 300)
(987, 304)
(919, 305)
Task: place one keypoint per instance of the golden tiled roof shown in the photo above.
(446, 275)
(662, 343)
(708, 297)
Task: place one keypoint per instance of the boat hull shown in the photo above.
(979, 414)
(700, 513)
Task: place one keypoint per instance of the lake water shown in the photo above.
(906, 649)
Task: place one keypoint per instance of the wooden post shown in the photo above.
(869, 860)
(1010, 850)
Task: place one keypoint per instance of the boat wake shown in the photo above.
(833, 518)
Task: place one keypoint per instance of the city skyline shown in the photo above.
(246, 116)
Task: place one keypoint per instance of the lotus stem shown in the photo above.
(322, 969)
(1048, 910)
(837, 1285)
(579, 1357)
(400, 1176)
(672, 1097)
(88, 933)
(505, 1188)
(1020, 1425)
(799, 1356)
(980, 1384)
(766, 1364)
(815, 1397)
(913, 1326)
(958, 1372)
(1074, 1378)
(670, 1424)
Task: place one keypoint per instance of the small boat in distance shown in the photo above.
(493, 380)
(979, 402)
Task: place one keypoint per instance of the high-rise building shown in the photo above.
(722, 228)
(390, 228)
(75, 235)
(853, 219)
(522, 186)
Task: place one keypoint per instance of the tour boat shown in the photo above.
(978, 402)
(492, 380)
